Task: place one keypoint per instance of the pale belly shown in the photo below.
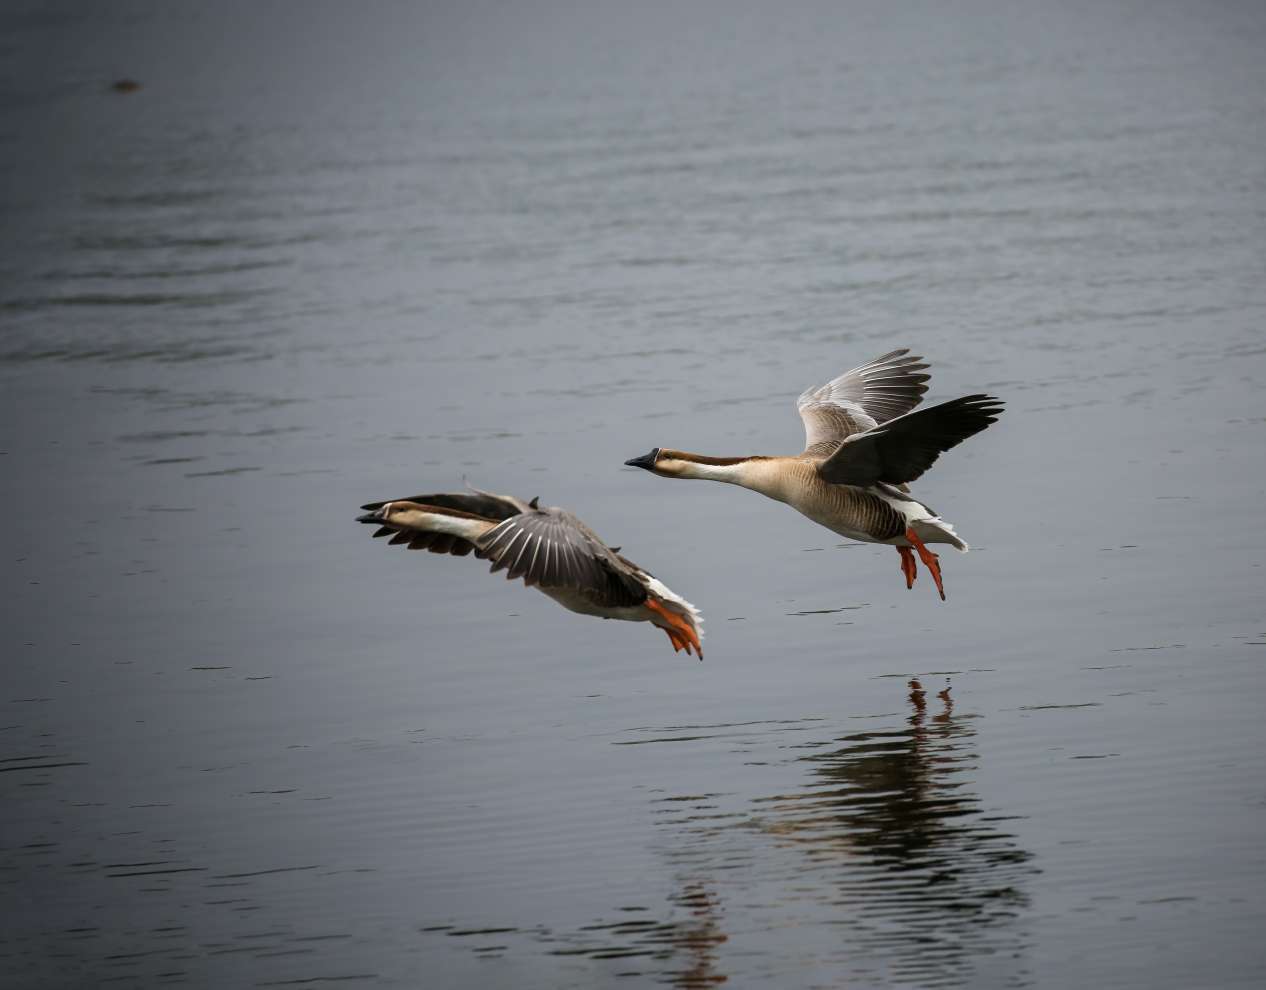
(576, 601)
(843, 529)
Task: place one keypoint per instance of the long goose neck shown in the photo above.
(747, 472)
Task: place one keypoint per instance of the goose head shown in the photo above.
(401, 514)
(664, 462)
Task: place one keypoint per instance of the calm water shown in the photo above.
(325, 255)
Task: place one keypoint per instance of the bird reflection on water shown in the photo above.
(680, 952)
(929, 882)
(885, 848)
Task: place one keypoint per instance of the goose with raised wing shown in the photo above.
(549, 548)
(864, 442)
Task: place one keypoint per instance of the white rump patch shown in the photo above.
(667, 593)
(937, 530)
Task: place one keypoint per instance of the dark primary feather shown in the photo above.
(554, 549)
(442, 543)
(903, 448)
(436, 542)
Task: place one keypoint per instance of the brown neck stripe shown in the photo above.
(681, 455)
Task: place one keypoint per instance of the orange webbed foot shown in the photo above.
(930, 560)
(908, 566)
(680, 632)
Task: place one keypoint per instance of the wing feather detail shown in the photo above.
(553, 549)
(546, 547)
(903, 448)
(861, 399)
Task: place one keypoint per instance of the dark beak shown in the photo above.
(646, 461)
(371, 517)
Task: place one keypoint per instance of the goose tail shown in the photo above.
(937, 530)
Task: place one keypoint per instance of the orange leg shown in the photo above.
(680, 632)
(908, 566)
(929, 559)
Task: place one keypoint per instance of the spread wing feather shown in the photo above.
(547, 547)
(903, 448)
(861, 399)
(554, 549)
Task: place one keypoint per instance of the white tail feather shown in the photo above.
(937, 530)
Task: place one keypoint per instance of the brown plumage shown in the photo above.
(549, 548)
(864, 442)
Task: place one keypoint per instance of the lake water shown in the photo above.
(328, 254)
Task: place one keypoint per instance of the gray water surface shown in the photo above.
(328, 254)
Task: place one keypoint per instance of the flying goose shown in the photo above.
(549, 548)
(862, 445)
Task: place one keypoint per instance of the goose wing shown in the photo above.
(554, 549)
(861, 399)
(903, 448)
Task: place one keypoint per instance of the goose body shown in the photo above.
(550, 548)
(863, 445)
(874, 514)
